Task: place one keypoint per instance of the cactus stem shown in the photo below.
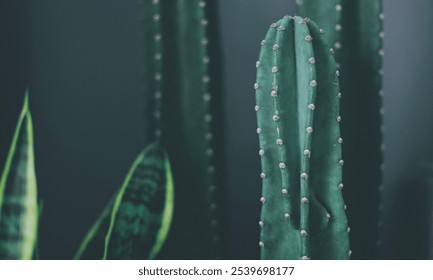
(156, 53)
(292, 55)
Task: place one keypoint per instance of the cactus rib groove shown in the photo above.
(354, 28)
(297, 106)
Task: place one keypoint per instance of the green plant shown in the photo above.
(355, 30)
(18, 194)
(184, 104)
(180, 117)
(136, 222)
(297, 95)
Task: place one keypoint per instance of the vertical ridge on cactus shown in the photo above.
(297, 108)
(18, 194)
(190, 121)
(355, 30)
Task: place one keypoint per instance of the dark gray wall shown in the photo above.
(88, 105)
(408, 100)
(83, 62)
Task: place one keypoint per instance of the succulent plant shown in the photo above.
(184, 100)
(354, 28)
(143, 209)
(18, 194)
(136, 222)
(180, 116)
(297, 96)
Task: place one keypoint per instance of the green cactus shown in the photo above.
(297, 94)
(355, 30)
(184, 100)
(136, 222)
(18, 194)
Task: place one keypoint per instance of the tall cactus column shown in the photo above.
(354, 28)
(153, 56)
(183, 91)
(297, 96)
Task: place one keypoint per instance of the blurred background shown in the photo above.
(83, 63)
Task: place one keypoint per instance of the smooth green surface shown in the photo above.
(354, 28)
(18, 194)
(143, 208)
(299, 145)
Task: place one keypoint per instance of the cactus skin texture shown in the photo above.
(303, 212)
(18, 194)
(355, 30)
(184, 103)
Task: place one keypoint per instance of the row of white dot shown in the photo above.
(208, 135)
(309, 130)
(158, 65)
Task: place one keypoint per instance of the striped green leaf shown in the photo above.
(18, 194)
(143, 208)
(135, 224)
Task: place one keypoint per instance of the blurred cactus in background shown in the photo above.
(297, 95)
(354, 29)
(184, 103)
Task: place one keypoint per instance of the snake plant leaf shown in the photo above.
(143, 208)
(18, 194)
(36, 251)
(92, 247)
